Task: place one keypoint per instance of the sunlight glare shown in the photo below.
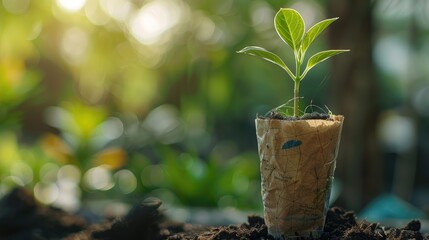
(71, 5)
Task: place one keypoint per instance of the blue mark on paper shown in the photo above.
(291, 144)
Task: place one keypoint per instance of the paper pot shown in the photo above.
(297, 167)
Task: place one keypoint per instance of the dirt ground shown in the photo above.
(21, 217)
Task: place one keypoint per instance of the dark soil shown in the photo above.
(305, 116)
(22, 218)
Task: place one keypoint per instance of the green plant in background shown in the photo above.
(85, 134)
(290, 26)
(18, 84)
(223, 182)
(20, 164)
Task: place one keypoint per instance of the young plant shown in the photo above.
(290, 26)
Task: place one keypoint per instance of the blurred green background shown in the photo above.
(122, 99)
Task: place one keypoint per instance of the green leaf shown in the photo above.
(320, 57)
(268, 56)
(314, 32)
(290, 27)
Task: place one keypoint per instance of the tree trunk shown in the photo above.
(354, 95)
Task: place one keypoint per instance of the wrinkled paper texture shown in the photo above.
(297, 161)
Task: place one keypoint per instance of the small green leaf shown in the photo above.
(290, 27)
(314, 32)
(320, 57)
(266, 55)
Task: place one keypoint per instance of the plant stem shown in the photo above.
(296, 99)
(297, 81)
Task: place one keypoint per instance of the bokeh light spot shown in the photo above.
(22, 171)
(99, 178)
(69, 174)
(126, 180)
(262, 15)
(152, 22)
(16, 6)
(46, 193)
(392, 55)
(205, 28)
(8, 183)
(71, 5)
(112, 128)
(117, 9)
(397, 133)
(69, 197)
(74, 45)
(421, 101)
(94, 14)
(165, 123)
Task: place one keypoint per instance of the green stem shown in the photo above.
(296, 99)
(297, 81)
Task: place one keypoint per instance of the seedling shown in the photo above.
(290, 26)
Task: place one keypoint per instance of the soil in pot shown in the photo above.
(305, 116)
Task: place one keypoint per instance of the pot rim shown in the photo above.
(330, 119)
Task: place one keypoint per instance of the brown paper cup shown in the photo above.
(297, 166)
